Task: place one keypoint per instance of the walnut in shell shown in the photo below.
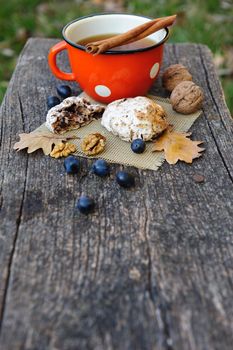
(187, 97)
(72, 113)
(174, 75)
(133, 118)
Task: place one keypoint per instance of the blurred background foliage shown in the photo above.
(209, 22)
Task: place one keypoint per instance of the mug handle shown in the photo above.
(53, 62)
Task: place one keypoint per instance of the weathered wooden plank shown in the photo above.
(151, 269)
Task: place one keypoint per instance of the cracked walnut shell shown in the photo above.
(174, 75)
(63, 150)
(187, 97)
(93, 144)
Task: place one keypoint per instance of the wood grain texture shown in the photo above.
(152, 268)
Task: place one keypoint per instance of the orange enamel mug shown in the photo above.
(114, 74)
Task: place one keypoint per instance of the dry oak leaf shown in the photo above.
(45, 140)
(177, 146)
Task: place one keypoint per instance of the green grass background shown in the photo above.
(202, 21)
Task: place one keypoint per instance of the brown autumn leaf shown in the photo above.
(177, 146)
(44, 140)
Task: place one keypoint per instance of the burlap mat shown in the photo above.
(118, 151)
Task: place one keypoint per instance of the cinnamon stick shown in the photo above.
(132, 35)
(163, 23)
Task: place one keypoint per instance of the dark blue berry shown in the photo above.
(64, 91)
(138, 146)
(85, 205)
(101, 168)
(52, 101)
(71, 165)
(125, 179)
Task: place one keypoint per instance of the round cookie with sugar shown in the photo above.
(133, 118)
